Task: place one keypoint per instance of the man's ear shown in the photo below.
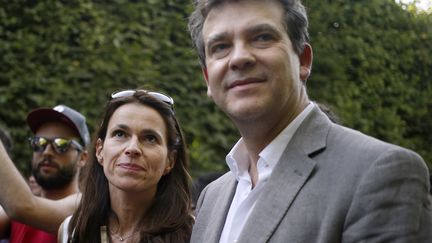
(205, 74)
(83, 158)
(306, 58)
(99, 148)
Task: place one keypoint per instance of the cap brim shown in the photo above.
(40, 116)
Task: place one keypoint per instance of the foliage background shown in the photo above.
(373, 64)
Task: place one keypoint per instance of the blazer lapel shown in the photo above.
(220, 209)
(288, 177)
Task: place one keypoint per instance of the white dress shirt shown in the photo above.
(238, 161)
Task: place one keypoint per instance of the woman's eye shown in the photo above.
(150, 138)
(118, 134)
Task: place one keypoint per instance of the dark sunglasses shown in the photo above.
(159, 96)
(60, 145)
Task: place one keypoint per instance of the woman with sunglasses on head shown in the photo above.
(136, 182)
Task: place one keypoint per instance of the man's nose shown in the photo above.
(48, 150)
(242, 56)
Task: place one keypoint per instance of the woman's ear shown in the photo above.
(99, 148)
(171, 162)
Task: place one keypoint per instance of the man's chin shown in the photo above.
(52, 183)
(47, 170)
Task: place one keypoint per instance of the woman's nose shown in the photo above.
(133, 148)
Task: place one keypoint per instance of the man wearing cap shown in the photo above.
(60, 138)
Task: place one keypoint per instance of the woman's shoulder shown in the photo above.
(63, 234)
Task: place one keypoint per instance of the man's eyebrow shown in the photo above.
(251, 30)
(261, 28)
(215, 38)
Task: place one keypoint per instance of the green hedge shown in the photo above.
(372, 65)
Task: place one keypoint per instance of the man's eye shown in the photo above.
(264, 37)
(219, 48)
(41, 141)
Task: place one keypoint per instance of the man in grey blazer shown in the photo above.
(295, 176)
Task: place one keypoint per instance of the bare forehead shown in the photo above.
(137, 115)
(231, 16)
(138, 110)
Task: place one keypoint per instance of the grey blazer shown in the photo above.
(332, 184)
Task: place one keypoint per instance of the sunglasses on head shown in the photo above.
(159, 96)
(60, 145)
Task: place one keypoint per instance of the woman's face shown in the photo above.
(134, 154)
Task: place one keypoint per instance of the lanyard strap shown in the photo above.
(104, 234)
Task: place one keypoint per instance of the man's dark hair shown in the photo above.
(295, 22)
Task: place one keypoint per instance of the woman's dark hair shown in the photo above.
(169, 219)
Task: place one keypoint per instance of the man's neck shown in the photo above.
(56, 194)
(257, 135)
(261, 134)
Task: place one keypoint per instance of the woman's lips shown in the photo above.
(131, 166)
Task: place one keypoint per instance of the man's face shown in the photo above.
(252, 71)
(51, 169)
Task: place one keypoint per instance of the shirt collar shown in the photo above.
(238, 160)
(273, 151)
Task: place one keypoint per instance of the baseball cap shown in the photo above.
(60, 113)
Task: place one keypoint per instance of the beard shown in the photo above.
(59, 180)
